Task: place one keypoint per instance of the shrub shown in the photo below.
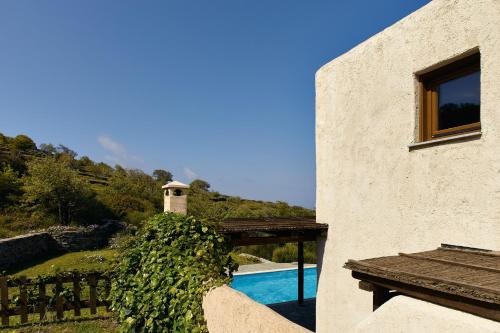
(286, 253)
(289, 253)
(10, 187)
(55, 188)
(160, 282)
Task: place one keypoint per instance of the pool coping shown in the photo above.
(276, 270)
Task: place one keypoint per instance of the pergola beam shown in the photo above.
(276, 230)
(243, 239)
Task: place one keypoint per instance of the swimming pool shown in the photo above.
(275, 287)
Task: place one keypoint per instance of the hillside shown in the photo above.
(44, 185)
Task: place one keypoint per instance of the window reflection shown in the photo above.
(459, 101)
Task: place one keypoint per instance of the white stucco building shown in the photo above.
(396, 171)
(408, 158)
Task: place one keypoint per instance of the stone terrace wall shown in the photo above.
(24, 248)
(20, 249)
(80, 240)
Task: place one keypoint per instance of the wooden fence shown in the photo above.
(32, 295)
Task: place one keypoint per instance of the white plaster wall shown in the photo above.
(379, 198)
(229, 311)
(176, 204)
(407, 315)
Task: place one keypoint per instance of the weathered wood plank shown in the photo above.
(107, 291)
(23, 297)
(93, 293)
(380, 296)
(366, 286)
(61, 304)
(450, 262)
(59, 299)
(476, 307)
(242, 240)
(42, 305)
(4, 290)
(456, 287)
(76, 294)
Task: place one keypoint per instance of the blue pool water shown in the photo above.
(275, 287)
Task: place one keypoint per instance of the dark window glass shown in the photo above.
(459, 101)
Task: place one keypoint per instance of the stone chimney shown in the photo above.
(175, 197)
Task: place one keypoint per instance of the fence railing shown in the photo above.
(70, 291)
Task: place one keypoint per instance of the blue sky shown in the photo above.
(221, 90)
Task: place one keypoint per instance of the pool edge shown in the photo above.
(276, 270)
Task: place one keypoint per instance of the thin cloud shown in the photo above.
(117, 152)
(190, 174)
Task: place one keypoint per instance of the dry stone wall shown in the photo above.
(80, 240)
(21, 249)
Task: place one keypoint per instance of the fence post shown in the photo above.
(59, 298)
(76, 293)
(107, 289)
(42, 307)
(4, 300)
(93, 293)
(24, 299)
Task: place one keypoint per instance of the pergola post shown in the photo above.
(300, 271)
(380, 296)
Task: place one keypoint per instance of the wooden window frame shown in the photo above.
(428, 84)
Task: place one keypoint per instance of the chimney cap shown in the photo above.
(175, 184)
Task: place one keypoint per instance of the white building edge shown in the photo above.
(389, 182)
(378, 193)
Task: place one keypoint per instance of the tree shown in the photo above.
(162, 176)
(63, 150)
(4, 139)
(10, 187)
(132, 195)
(85, 162)
(53, 187)
(120, 171)
(199, 185)
(102, 169)
(22, 143)
(48, 149)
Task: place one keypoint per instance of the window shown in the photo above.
(450, 99)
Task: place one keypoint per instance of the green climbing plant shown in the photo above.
(159, 284)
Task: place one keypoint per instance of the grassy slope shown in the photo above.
(243, 260)
(81, 261)
(82, 326)
(86, 261)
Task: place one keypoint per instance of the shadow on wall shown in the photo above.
(227, 310)
(303, 314)
(320, 252)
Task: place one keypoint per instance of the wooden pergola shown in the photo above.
(276, 230)
(460, 278)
